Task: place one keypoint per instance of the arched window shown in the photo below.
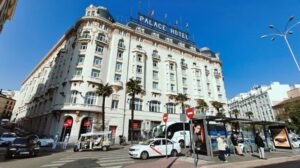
(90, 98)
(121, 43)
(101, 37)
(86, 34)
(154, 106)
(73, 97)
(138, 104)
(171, 108)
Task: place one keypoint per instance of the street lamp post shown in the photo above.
(287, 31)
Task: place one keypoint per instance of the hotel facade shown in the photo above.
(59, 97)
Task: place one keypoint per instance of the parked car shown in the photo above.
(155, 147)
(296, 142)
(94, 141)
(45, 141)
(23, 147)
(3, 143)
(8, 137)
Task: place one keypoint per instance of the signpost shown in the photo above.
(190, 114)
(165, 119)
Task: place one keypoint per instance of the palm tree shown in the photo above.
(180, 99)
(217, 105)
(236, 113)
(221, 114)
(201, 104)
(104, 91)
(249, 114)
(133, 88)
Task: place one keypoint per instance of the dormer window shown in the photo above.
(121, 43)
(88, 13)
(93, 13)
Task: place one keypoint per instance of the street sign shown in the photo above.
(165, 117)
(190, 113)
(69, 121)
(87, 123)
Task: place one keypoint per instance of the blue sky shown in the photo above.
(229, 27)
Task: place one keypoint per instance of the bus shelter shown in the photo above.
(211, 125)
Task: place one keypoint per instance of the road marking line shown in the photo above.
(115, 167)
(116, 163)
(76, 158)
(52, 165)
(110, 160)
(63, 161)
(106, 158)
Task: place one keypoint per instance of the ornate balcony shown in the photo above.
(207, 72)
(77, 78)
(84, 37)
(117, 85)
(78, 107)
(102, 40)
(217, 74)
(94, 80)
(156, 57)
(121, 46)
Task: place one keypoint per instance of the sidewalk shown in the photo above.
(246, 161)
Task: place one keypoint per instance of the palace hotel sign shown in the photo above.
(147, 21)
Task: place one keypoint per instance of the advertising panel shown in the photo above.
(280, 136)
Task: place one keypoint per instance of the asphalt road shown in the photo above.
(117, 157)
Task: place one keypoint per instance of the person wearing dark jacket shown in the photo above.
(260, 146)
(234, 140)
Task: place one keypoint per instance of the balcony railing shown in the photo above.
(156, 57)
(217, 74)
(84, 37)
(121, 46)
(207, 72)
(102, 40)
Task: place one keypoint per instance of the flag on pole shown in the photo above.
(187, 25)
(166, 15)
(151, 13)
(176, 23)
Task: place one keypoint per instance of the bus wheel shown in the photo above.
(181, 143)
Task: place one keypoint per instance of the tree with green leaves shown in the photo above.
(293, 111)
(217, 105)
(236, 113)
(180, 100)
(249, 114)
(202, 105)
(104, 91)
(133, 88)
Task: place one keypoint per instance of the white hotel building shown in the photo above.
(97, 49)
(260, 100)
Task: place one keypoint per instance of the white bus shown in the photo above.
(175, 132)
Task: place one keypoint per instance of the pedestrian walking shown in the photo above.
(234, 140)
(66, 140)
(260, 146)
(197, 142)
(54, 142)
(221, 148)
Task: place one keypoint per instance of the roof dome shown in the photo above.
(103, 12)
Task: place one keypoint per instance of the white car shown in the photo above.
(155, 147)
(296, 142)
(45, 141)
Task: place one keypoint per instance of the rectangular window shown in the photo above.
(99, 49)
(80, 59)
(120, 55)
(83, 46)
(197, 73)
(155, 85)
(119, 67)
(172, 77)
(199, 91)
(185, 90)
(78, 71)
(155, 64)
(114, 104)
(219, 88)
(139, 79)
(139, 69)
(184, 81)
(184, 72)
(97, 61)
(198, 83)
(155, 75)
(139, 58)
(172, 67)
(117, 77)
(172, 87)
(95, 73)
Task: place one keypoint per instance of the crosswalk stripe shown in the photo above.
(63, 161)
(116, 163)
(114, 167)
(112, 159)
(76, 158)
(106, 158)
(52, 165)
